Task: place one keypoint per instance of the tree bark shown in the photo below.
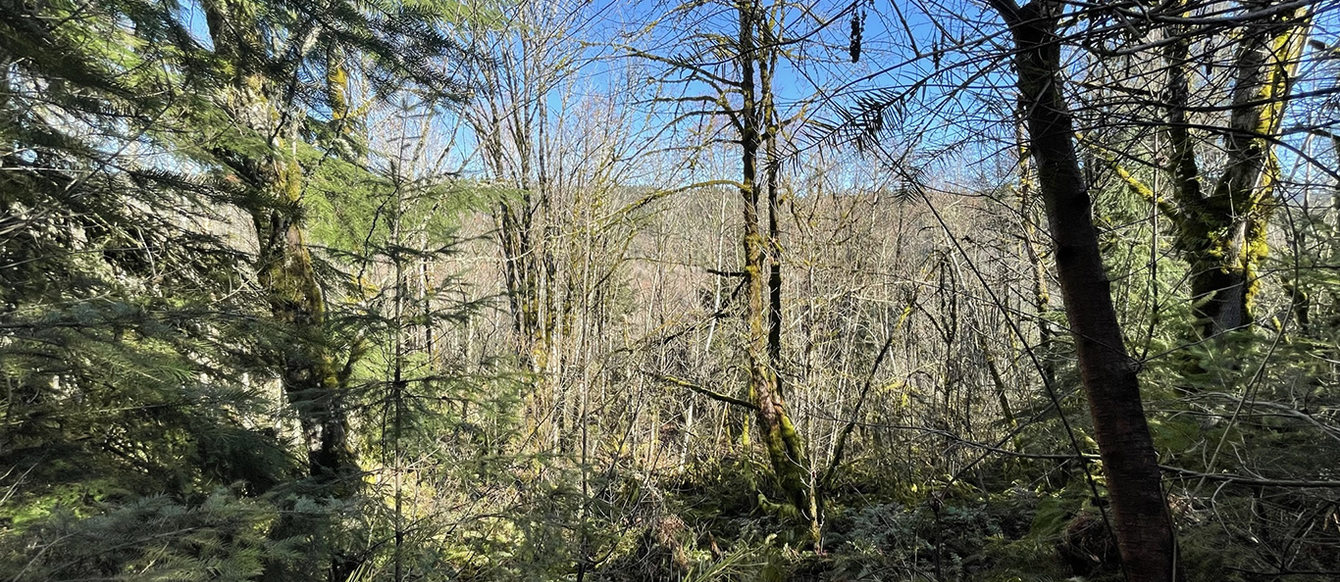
(1142, 523)
(786, 452)
(309, 374)
(1222, 233)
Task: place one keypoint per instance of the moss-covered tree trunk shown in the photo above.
(1139, 511)
(510, 122)
(786, 452)
(1221, 229)
(258, 150)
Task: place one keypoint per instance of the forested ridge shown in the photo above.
(355, 290)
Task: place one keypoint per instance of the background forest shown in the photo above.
(715, 290)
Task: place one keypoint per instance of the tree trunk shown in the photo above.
(786, 452)
(509, 122)
(1041, 296)
(1143, 526)
(1222, 234)
(309, 374)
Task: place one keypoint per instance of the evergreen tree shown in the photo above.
(140, 332)
(127, 322)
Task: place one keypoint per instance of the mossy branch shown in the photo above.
(682, 383)
(1133, 184)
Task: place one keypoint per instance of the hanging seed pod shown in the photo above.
(857, 27)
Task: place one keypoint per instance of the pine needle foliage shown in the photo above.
(143, 435)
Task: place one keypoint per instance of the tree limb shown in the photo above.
(701, 390)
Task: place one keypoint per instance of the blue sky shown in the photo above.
(958, 45)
